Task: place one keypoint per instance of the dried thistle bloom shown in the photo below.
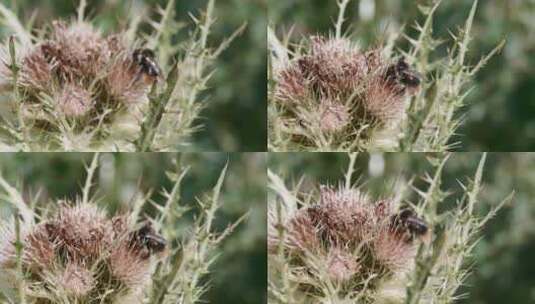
(79, 49)
(349, 88)
(36, 72)
(124, 82)
(40, 251)
(81, 69)
(81, 231)
(128, 266)
(73, 100)
(75, 280)
(127, 263)
(341, 265)
(334, 117)
(82, 253)
(357, 240)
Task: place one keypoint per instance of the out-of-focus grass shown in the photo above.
(239, 274)
(235, 117)
(499, 116)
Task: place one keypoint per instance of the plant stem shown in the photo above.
(89, 180)
(350, 169)
(157, 106)
(24, 138)
(342, 4)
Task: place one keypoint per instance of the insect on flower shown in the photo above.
(147, 241)
(407, 223)
(401, 73)
(145, 58)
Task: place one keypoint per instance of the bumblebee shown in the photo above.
(403, 76)
(409, 225)
(147, 241)
(145, 59)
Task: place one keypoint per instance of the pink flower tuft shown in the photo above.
(334, 117)
(81, 69)
(36, 71)
(74, 100)
(39, 252)
(79, 50)
(128, 266)
(341, 265)
(75, 280)
(124, 81)
(82, 231)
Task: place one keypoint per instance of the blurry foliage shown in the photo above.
(503, 267)
(500, 108)
(235, 118)
(239, 274)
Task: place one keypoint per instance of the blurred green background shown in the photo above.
(235, 117)
(239, 274)
(500, 115)
(503, 268)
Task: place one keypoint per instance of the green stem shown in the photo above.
(157, 106)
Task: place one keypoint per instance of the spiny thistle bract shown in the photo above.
(328, 94)
(342, 246)
(74, 252)
(76, 88)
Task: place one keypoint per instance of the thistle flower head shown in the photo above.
(341, 265)
(349, 88)
(82, 253)
(79, 49)
(74, 100)
(334, 116)
(40, 251)
(81, 69)
(36, 71)
(124, 82)
(355, 238)
(128, 266)
(75, 280)
(81, 231)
